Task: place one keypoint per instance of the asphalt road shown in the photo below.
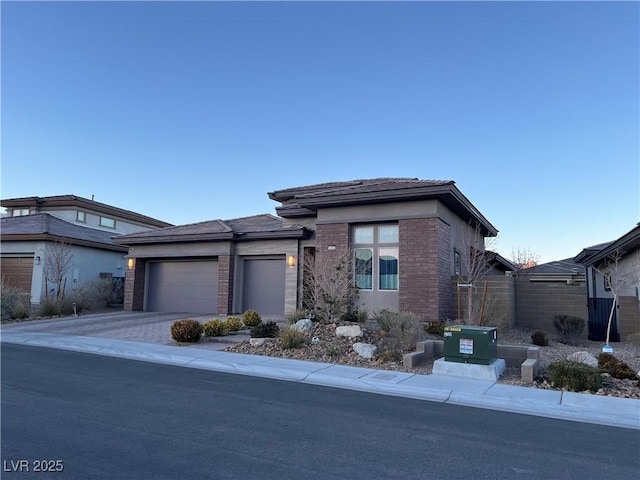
(102, 417)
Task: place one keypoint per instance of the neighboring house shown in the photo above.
(623, 256)
(404, 235)
(33, 224)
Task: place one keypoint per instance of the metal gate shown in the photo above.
(599, 311)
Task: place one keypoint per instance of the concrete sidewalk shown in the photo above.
(618, 412)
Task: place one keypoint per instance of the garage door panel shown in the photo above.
(264, 286)
(17, 272)
(183, 287)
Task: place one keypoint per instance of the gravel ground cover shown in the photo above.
(339, 350)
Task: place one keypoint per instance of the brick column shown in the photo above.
(425, 269)
(134, 286)
(332, 235)
(225, 284)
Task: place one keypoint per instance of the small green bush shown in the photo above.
(539, 338)
(615, 367)
(214, 328)
(251, 318)
(186, 330)
(389, 355)
(265, 330)
(49, 307)
(292, 338)
(358, 315)
(402, 330)
(13, 301)
(233, 324)
(569, 327)
(293, 317)
(20, 312)
(435, 328)
(577, 377)
(332, 351)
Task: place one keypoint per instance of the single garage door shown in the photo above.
(263, 289)
(183, 287)
(17, 271)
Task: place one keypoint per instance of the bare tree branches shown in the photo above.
(57, 262)
(619, 277)
(330, 287)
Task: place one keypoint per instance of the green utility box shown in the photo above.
(464, 344)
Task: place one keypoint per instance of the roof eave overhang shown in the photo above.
(627, 243)
(448, 194)
(200, 237)
(28, 237)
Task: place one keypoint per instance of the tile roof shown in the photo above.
(43, 224)
(81, 202)
(353, 187)
(264, 225)
(561, 267)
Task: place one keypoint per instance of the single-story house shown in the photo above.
(405, 236)
(621, 257)
(33, 225)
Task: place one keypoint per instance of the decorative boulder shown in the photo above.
(305, 325)
(583, 357)
(365, 350)
(350, 331)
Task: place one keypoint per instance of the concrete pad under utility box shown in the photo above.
(469, 370)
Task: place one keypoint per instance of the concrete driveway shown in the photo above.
(146, 327)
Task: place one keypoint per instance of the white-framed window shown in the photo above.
(81, 216)
(376, 257)
(20, 212)
(107, 222)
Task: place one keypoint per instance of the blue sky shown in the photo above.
(194, 111)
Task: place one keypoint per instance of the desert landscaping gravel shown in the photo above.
(339, 350)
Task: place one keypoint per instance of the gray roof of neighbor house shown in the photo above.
(237, 229)
(42, 226)
(557, 267)
(496, 260)
(84, 203)
(629, 242)
(304, 201)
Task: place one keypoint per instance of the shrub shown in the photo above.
(615, 367)
(265, 330)
(214, 328)
(539, 338)
(233, 324)
(332, 351)
(20, 312)
(435, 328)
(293, 317)
(251, 318)
(13, 302)
(292, 338)
(358, 315)
(389, 356)
(568, 327)
(186, 330)
(403, 330)
(50, 307)
(577, 377)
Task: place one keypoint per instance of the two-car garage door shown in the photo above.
(183, 286)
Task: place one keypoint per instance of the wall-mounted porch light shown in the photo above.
(291, 261)
(131, 262)
(36, 260)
